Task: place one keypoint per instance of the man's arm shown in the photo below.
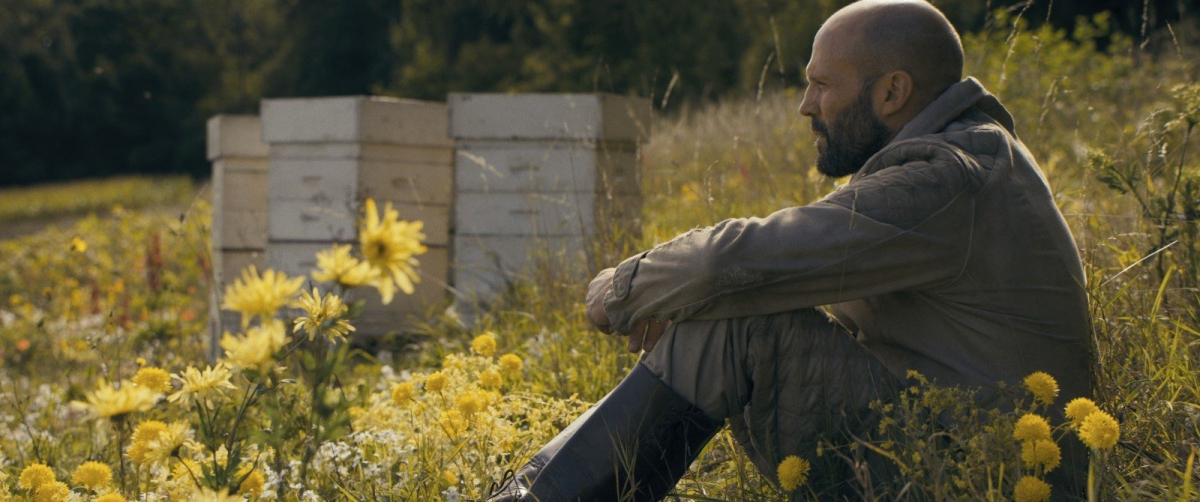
(902, 227)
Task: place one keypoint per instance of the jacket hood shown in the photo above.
(954, 101)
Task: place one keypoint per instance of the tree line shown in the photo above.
(93, 88)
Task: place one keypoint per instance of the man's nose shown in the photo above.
(808, 105)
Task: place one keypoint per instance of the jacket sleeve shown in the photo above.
(903, 227)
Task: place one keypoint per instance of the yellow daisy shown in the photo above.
(52, 492)
(34, 476)
(1031, 489)
(484, 345)
(108, 401)
(1031, 427)
(436, 382)
(389, 246)
(1100, 431)
(256, 349)
(324, 316)
(402, 393)
(336, 265)
(1042, 452)
(92, 475)
(1079, 409)
(155, 379)
(202, 385)
(511, 364)
(145, 433)
(260, 295)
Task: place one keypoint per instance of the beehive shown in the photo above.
(239, 192)
(327, 155)
(540, 176)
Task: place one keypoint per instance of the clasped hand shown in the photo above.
(644, 336)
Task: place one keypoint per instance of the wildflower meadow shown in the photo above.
(107, 392)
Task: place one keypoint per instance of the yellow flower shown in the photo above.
(110, 497)
(449, 478)
(210, 495)
(490, 379)
(35, 475)
(1041, 452)
(324, 315)
(1079, 409)
(389, 246)
(469, 403)
(1031, 427)
(402, 393)
(145, 432)
(484, 345)
(116, 402)
(436, 382)
(1042, 386)
(453, 423)
(167, 443)
(793, 472)
(52, 492)
(336, 265)
(256, 350)
(1031, 489)
(155, 379)
(78, 245)
(92, 475)
(255, 295)
(510, 364)
(202, 386)
(252, 481)
(1099, 431)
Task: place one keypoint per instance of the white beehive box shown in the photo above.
(328, 155)
(537, 178)
(239, 197)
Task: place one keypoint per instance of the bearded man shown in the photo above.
(944, 254)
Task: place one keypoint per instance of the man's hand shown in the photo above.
(597, 290)
(646, 336)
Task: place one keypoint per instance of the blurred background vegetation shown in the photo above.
(93, 88)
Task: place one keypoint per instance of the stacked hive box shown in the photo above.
(327, 155)
(239, 224)
(540, 175)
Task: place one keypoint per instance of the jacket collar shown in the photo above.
(954, 101)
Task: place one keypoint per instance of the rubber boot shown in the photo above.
(634, 444)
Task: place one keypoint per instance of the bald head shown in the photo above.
(906, 35)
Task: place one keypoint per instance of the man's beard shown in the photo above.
(857, 135)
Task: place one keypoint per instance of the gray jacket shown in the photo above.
(945, 253)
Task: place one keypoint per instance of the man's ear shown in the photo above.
(894, 90)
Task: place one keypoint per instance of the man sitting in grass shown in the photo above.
(944, 254)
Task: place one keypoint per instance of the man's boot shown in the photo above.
(634, 444)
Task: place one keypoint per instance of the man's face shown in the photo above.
(839, 102)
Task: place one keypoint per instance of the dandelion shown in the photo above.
(34, 476)
(793, 472)
(202, 385)
(389, 246)
(1042, 386)
(1031, 489)
(92, 475)
(256, 350)
(260, 295)
(1079, 409)
(56, 491)
(324, 315)
(110, 497)
(336, 265)
(511, 364)
(1041, 452)
(112, 402)
(1099, 431)
(490, 379)
(155, 379)
(402, 393)
(436, 382)
(484, 345)
(1031, 427)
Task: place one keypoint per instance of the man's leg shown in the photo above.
(785, 382)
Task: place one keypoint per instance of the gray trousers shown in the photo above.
(785, 382)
